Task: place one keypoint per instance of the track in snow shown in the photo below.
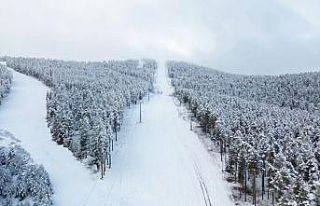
(157, 162)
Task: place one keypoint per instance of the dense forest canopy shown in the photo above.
(87, 99)
(268, 127)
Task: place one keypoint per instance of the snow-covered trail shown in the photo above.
(157, 162)
(161, 162)
(23, 114)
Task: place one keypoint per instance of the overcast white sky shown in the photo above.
(242, 36)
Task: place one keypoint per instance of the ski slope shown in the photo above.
(23, 113)
(162, 162)
(156, 162)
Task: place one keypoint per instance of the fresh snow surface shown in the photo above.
(156, 162)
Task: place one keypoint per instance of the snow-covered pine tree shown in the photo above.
(5, 81)
(21, 181)
(79, 89)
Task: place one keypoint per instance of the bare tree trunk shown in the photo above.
(221, 148)
(236, 169)
(272, 197)
(245, 181)
(263, 177)
(221, 153)
(112, 144)
(102, 169)
(116, 134)
(140, 111)
(254, 199)
(109, 157)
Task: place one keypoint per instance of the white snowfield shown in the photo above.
(156, 162)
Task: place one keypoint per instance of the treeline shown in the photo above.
(267, 129)
(301, 91)
(5, 81)
(21, 181)
(87, 99)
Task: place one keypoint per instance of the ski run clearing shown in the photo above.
(156, 162)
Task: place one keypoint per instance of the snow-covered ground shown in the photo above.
(23, 114)
(156, 162)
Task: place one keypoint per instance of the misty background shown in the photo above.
(239, 36)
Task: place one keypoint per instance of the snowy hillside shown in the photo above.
(86, 104)
(267, 128)
(156, 162)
